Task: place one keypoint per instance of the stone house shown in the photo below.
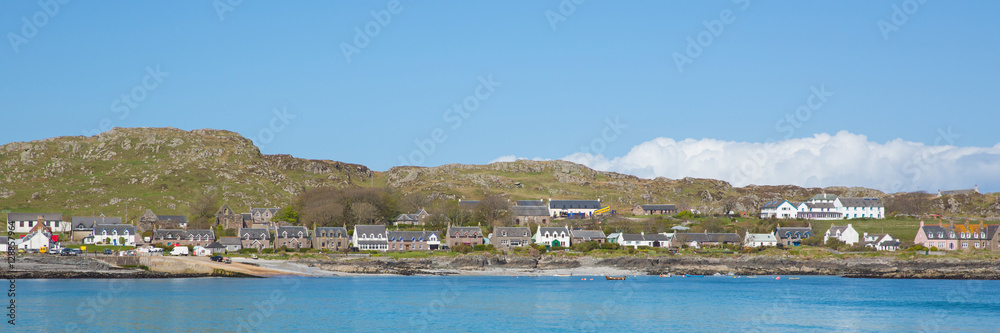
(471, 236)
(255, 238)
(331, 238)
(654, 209)
(507, 238)
(228, 218)
(292, 237)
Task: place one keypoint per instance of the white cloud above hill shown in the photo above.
(843, 159)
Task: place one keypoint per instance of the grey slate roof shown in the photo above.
(370, 229)
(330, 232)
(773, 204)
(529, 203)
(175, 218)
(406, 218)
(861, 202)
(230, 241)
(215, 245)
(468, 204)
(820, 205)
(588, 234)
(555, 230)
(34, 216)
(411, 236)
(708, 237)
(262, 210)
(834, 229)
(463, 231)
(99, 229)
(793, 232)
(255, 233)
(574, 204)
(511, 232)
(531, 211)
(824, 196)
(658, 207)
(88, 222)
(292, 232)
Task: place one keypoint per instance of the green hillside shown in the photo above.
(168, 170)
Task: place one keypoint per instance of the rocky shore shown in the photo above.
(876, 267)
(55, 267)
(60, 267)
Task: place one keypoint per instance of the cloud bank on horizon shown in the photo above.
(843, 159)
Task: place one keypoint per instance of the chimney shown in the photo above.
(921, 223)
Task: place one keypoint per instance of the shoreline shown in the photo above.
(484, 265)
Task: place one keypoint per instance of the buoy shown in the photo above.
(777, 278)
(591, 279)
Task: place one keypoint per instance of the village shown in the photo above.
(548, 226)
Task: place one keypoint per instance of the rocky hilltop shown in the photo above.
(167, 169)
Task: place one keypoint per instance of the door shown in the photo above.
(555, 242)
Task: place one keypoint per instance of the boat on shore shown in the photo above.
(563, 275)
(615, 277)
(689, 275)
(666, 275)
(795, 278)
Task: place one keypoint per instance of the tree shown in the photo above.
(203, 210)
(364, 213)
(687, 214)
(492, 208)
(287, 214)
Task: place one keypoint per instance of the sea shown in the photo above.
(507, 303)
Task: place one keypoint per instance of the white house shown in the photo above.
(758, 240)
(563, 208)
(554, 236)
(23, 222)
(825, 207)
(115, 234)
(880, 242)
(845, 234)
(642, 239)
(782, 209)
(39, 236)
(370, 237)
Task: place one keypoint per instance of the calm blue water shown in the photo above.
(449, 304)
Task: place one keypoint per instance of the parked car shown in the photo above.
(216, 258)
(253, 256)
(75, 252)
(66, 252)
(228, 261)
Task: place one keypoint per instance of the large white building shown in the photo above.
(825, 207)
(570, 208)
(24, 222)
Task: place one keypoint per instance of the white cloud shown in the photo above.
(512, 158)
(844, 159)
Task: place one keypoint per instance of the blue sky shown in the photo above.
(557, 85)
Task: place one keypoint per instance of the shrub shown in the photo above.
(534, 252)
(461, 249)
(267, 251)
(610, 246)
(934, 248)
(687, 214)
(304, 250)
(586, 246)
(479, 248)
(491, 248)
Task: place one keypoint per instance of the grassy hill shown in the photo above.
(168, 170)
